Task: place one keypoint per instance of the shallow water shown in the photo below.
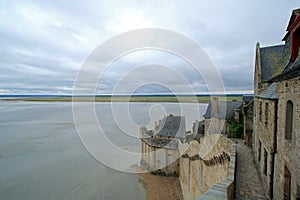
(42, 157)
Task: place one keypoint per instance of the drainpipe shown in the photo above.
(274, 151)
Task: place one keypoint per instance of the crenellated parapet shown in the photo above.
(218, 160)
(204, 164)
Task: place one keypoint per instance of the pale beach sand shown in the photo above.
(159, 187)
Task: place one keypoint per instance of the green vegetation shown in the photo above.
(185, 99)
(236, 128)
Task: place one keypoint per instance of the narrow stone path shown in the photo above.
(248, 182)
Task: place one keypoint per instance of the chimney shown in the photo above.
(214, 107)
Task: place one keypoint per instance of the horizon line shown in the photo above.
(139, 94)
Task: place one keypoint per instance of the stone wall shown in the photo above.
(203, 164)
(215, 125)
(160, 160)
(271, 146)
(190, 170)
(265, 129)
(248, 123)
(259, 85)
(288, 154)
(225, 189)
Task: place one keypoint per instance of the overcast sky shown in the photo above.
(44, 43)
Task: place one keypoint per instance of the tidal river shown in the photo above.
(42, 156)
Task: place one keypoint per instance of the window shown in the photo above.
(265, 162)
(266, 114)
(289, 120)
(259, 150)
(260, 111)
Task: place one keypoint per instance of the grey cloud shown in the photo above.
(45, 54)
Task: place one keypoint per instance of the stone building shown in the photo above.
(205, 166)
(248, 119)
(220, 113)
(277, 113)
(160, 146)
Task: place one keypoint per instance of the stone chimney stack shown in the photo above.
(143, 130)
(214, 107)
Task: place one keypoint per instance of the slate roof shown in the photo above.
(275, 60)
(247, 98)
(288, 74)
(269, 92)
(292, 65)
(225, 109)
(272, 61)
(291, 69)
(172, 126)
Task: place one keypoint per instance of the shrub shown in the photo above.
(236, 129)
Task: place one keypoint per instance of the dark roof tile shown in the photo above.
(269, 92)
(271, 61)
(247, 98)
(172, 126)
(226, 109)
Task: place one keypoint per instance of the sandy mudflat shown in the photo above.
(160, 187)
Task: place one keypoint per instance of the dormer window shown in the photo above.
(293, 30)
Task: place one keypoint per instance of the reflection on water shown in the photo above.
(41, 156)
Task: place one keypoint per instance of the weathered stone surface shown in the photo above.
(205, 164)
(248, 102)
(277, 125)
(288, 150)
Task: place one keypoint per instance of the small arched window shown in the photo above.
(289, 117)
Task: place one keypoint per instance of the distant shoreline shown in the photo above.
(140, 98)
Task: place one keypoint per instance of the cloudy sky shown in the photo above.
(45, 43)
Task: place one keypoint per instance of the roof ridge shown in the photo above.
(271, 46)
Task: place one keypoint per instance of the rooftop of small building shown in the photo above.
(225, 109)
(247, 98)
(171, 126)
(269, 92)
